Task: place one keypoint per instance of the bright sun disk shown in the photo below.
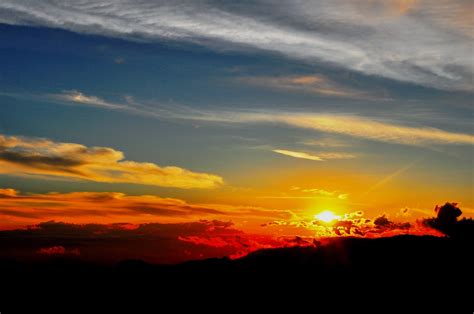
(326, 216)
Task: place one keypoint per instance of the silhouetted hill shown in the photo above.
(407, 265)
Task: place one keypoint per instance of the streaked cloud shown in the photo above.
(325, 142)
(119, 60)
(377, 130)
(77, 97)
(300, 155)
(318, 157)
(113, 207)
(313, 84)
(345, 124)
(42, 157)
(322, 192)
(422, 42)
(350, 125)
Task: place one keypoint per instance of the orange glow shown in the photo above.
(326, 216)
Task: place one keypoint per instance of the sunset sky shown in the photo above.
(252, 113)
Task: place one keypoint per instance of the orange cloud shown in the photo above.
(110, 207)
(403, 6)
(314, 84)
(26, 156)
(353, 225)
(306, 80)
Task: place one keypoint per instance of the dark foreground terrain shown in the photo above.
(399, 267)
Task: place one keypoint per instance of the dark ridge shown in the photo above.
(397, 269)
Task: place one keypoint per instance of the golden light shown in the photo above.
(326, 216)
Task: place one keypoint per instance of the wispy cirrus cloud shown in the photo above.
(300, 155)
(321, 192)
(43, 157)
(376, 130)
(74, 96)
(423, 42)
(313, 84)
(350, 125)
(315, 157)
(344, 124)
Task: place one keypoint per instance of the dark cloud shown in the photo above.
(447, 222)
(152, 242)
(382, 221)
(39, 161)
(58, 250)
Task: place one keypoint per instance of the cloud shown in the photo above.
(171, 242)
(353, 225)
(58, 250)
(318, 157)
(422, 42)
(300, 155)
(30, 156)
(344, 124)
(111, 207)
(350, 125)
(314, 84)
(75, 96)
(296, 193)
(151, 242)
(330, 143)
(447, 222)
(119, 60)
(376, 130)
(322, 192)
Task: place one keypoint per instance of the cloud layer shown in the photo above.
(354, 225)
(30, 156)
(151, 242)
(111, 207)
(350, 125)
(345, 124)
(423, 42)
(177, 242)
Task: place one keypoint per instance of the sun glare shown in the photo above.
(326, 216)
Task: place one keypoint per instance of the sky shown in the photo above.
(251, 113)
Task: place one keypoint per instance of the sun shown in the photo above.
(326, 216)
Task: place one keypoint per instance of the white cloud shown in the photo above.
(423, 42)
(315, 157)
(75, 96)
(300, 155)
